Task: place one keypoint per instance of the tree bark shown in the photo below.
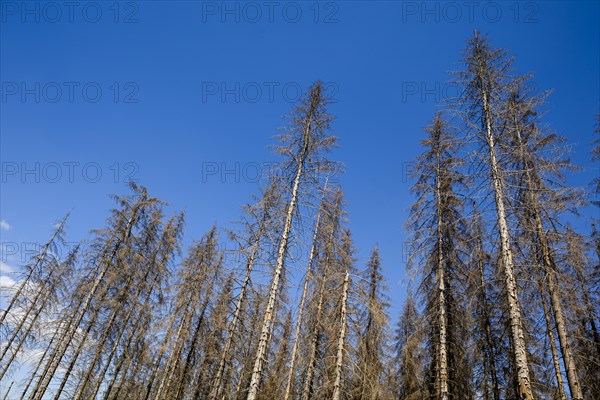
(290, 378)
(279, 265)
(340, 347)
(525, 391)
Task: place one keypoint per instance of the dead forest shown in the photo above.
(504, 299)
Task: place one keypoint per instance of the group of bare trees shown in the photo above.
(509, 290)
(506, 305)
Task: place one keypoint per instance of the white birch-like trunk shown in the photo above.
(441, 306)
(274, 289)
(514, 307)
(337, 385)
(288, 386)
(218, 382)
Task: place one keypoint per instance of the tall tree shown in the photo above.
(261, 216)
(303, 145)
(409, 353)
(373, 338)
(540, 199)
(437, 228)
(487, 85)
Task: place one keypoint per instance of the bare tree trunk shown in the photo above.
(42, 358)
(340, 347)
(42, 290)
(188, 360)
(555, 358)
(550, 271)
(525, 391)
(8, 391)
(172, 361)
(99, 348)
(218, 381)
(163, 349)
(442, 384)
(314, 344)
(290, 378)
(488, 336)
(274, 289)
(56, 234)
(48, 375)
(59, 349)
(21, 342)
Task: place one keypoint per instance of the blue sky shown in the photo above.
(161, 91)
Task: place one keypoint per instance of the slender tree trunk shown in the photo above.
(172, 361)
(188, 359)
(21, 342)
(111, 354)
(589, 308)
(218, 381)
(274, 289)
(48, 375)
(337, 386)
(58, 349)
(8, 391)
(41, 291)
(550, 271)
(126, 360)
(442, 384)
(290, 378)
(42, 359)
(99, 348)
(79, 350)
(39, 259)
(487, 326)
(161, 353)
(314, 344)
(128, 340)
(555, 358)
(525, 391)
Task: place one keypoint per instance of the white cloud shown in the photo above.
(6, 282)
(5, 268)
(4, 225)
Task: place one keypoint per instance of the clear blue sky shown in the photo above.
(385, 62)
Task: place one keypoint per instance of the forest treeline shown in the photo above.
(505, 292)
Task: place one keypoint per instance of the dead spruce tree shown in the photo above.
(373, 335)
(541, 199)
(408, 346)
(301, 307)
(36, 297)
(147, 301)
(320, 302)
(437, 227)
(487, 366)
(303, 145)
(146, 272)
(341, 342)
(199, 277)
(107, 262)
(261, 216)
(583, 302)
(486, 86)
(48, 250)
